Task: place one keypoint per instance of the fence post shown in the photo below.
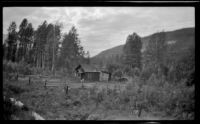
(140, 111)
(67, 90)
(45, 84)
(29, 80)
(82, 80)
(16, 77)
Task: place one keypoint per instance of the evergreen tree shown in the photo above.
(71, 52)
(154, 56)
(11, 42)
(132, 51)
(39, 44)
(26, 39)
(52, 45)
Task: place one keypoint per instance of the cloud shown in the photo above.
(101, 28)
(113, 28)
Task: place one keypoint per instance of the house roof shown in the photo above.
(89, 68)
(105, 72)
(92, 68)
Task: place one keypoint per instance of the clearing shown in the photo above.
(52, 103)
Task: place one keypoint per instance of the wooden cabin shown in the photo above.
(91, 73)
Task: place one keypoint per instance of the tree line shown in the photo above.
(155, 60)
(46, 47)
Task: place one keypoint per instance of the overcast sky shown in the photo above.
(101, 28)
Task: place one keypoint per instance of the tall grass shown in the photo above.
(155, 95)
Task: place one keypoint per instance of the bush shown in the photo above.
(159, 95)
(21, 67)
(24, 68)
(13, 89)
(146, 73)
(9, 66)
(136, 72)
(128, 71)
(169, 97)
(117, 74)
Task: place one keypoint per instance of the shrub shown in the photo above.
(129, 71)
(136, 72)
(21, 67)
(24, 68)
(117, 74)
(159, 95)
(16, 89)
(145, 74)
(170, 98)
(9, 66)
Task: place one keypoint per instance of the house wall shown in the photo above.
(92, 76)
(104, 76)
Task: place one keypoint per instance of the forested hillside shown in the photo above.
(179, 41)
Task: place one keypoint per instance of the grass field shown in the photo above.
(52, 102)
(93, 101)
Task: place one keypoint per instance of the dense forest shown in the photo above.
(44, 48)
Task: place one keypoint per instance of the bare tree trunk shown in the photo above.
(16, 55)
(38, 60)
(43, 60)
(53, 60)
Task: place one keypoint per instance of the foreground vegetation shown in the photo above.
(156, 97)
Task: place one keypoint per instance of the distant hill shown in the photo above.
(109, 52)
(178, 40)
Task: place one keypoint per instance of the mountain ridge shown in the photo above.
(181, 38)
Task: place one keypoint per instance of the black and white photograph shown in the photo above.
(98, 63)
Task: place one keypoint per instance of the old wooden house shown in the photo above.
(91, 73)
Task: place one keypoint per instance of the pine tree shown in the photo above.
(132, 51)
(11, 42)
(71, 52)
(26, 40)
(154, 56)
(39, 44)
(52, 45)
